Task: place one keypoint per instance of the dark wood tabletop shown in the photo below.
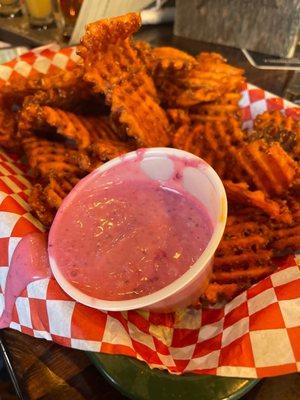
(44, 370)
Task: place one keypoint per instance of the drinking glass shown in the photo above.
(10, 8)
(40, 13)
(69, 10)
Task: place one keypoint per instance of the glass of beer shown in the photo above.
(40, 13)
(69, 10)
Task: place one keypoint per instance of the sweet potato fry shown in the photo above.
(207, 81)
(268, 167)
(243, 234)
(108, 149)
(219, 64)
(100, 151)
(239, 193)
(220, 109)
(295, 188)
(275, 126)
(64, 89)
(286, 237)
(144, 119)
(58, 188)
(46, 197)
(144, 52)
(39, 206)
(243, 275)
(46, 158)
(169, 60)
(81, 130)
(112, 65)
(107, 51)
(8, 127)
(214, 141)
(178, 117)
(164, 60)
(242, 258)
(216, 292)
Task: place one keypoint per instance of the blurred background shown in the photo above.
(266, 31)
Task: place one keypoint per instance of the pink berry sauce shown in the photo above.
(119, 239)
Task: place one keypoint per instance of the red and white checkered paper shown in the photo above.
(255, 335)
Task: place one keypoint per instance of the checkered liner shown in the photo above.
(255, 335)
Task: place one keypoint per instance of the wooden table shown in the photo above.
(44, 370)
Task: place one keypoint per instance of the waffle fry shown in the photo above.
(248, 234)
(187, 92)
(182, 138)
(39, 206)
(163, 60)
(144, 52)
(64, 88)
(86, 162)
(69, 101)
(81, 130)
(221, 109)
(214, 141)
(46, 158)
(274, 126)
(59, 80)
(169, 60)
(217, 63)
(210, 79)
(178, 117)
(286, 237)
(8, 127)
(244, 275)
(239, 193)
(143, 118)
(108, 149)
(242, 258)
(45, 198)
(100, 151)
(206, 76)
(113, 67)
(107, 52)
(216, 292)
(58, 188)
(295, 188)
(228, 103)
(29, 117)
(206, 81)
(268, 167)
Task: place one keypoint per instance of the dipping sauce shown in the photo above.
(121, 239)
(29, 263)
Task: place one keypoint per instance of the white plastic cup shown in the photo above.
(205, 185)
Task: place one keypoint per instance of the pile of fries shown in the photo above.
(124, 95)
